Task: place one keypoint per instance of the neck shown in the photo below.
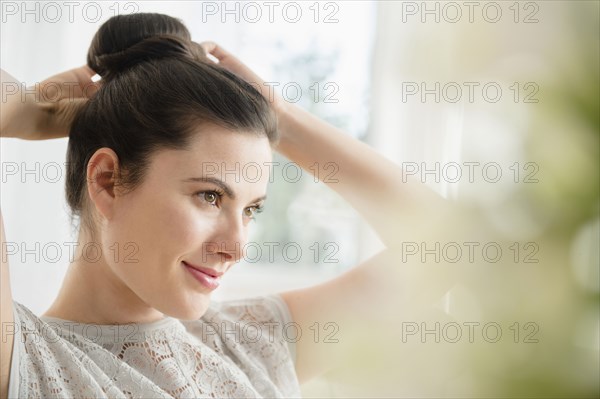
(93, 293)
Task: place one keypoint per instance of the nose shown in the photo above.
(229, 240)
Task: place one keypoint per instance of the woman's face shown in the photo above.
(193, 207)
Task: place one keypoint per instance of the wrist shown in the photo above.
(290, 122)
(20, 116)
(284, 114)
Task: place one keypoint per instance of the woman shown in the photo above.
(149, 145)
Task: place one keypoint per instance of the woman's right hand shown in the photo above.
(46, 110)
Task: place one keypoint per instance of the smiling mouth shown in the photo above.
(210, 281)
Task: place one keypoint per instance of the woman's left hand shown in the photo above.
(233, 64)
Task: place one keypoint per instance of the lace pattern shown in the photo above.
(238, 349)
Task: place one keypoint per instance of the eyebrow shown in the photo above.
(224, 186)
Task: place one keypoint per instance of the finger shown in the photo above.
(207, 47)
(89, 89)
(86, 88)
(232, 64)
(74, 83)
(86, 71)
(229, 61)
(57, 118)
(215, 50)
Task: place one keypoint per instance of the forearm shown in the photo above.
(19, 113)
(372, 184)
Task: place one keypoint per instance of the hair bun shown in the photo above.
(128, 40)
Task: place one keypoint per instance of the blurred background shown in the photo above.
(494, 105)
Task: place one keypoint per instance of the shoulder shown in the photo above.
(257, 333)
(36, 354)
(260, 309)
(252, 319)
(46, 363)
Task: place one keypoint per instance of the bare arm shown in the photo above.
(393, 204)
(46, 112)
(33, 117)
(19, 113)
(375, 186)
(362, 302)
(11, 121)
(6, 318)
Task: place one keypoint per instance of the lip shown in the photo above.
(205, 270)
(207, 277)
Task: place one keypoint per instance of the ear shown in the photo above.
(102, 172)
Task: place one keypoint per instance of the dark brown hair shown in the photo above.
(157, 89)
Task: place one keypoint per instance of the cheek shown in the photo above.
(162, 227)
(185, 227)
(149, 222)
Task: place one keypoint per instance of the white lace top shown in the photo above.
(238, 349)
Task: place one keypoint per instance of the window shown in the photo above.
(308, 233)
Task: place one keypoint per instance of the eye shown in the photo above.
(210, 196)
(252, 211)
